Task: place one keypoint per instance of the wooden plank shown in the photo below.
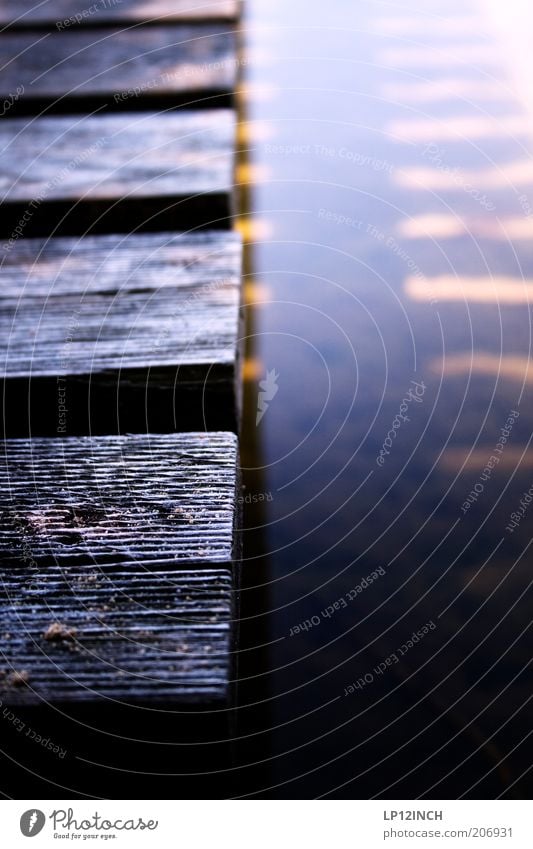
(119, 69)
(137, 636)
(119, 567)
(129, 333)
(65, 14)
(147, 500)
(116, 173)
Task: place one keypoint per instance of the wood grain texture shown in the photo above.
(167, 499)
(118, 569)
(118, 319)
(73, 13)
(120, 69)
(78, 635)
(116, 172)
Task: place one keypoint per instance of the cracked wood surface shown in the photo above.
(118, 567)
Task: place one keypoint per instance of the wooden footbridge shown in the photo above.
(120, 282)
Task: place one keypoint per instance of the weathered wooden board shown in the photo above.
(65, 14)
(119, 69)
(71, 635)
(116, 173)
(167, 499)
(129, 333)
(118, 569)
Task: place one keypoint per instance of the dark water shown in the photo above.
(390, 268)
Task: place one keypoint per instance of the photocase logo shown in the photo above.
(32, 822)
(269, 388)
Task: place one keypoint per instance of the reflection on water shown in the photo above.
(389, 277)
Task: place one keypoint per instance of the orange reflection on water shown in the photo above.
(252, 132)
(415, 56)
(427, 24)
(510, 25)
(453, 459)
(256, 292)
(443, 177)
(254, 92)
(250, 172)
(252, 369)
(254, 229)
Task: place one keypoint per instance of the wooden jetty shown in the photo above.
(164, 66)
(116, 173)
(63, 14)
(120, 282)
(134, 332)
